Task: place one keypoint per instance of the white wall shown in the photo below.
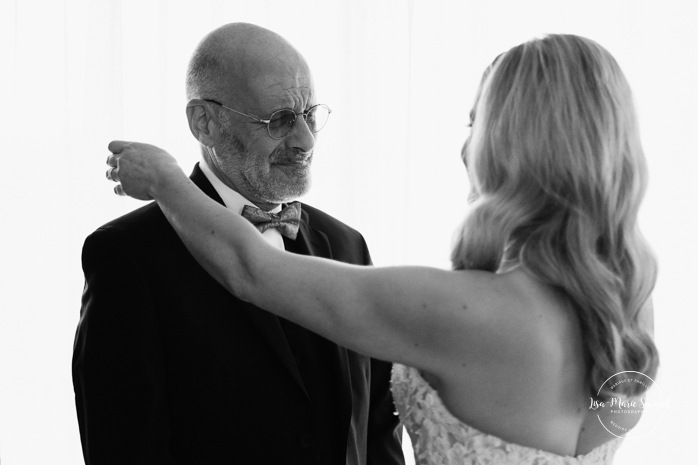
(400, 77)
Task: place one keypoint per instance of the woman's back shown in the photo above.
(525, 380)
(439, 438)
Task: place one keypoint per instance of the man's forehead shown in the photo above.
(296, 98)
(293, 90)
(284, 91)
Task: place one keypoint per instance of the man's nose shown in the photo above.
(301, 137)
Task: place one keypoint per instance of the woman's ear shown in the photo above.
(202, 121)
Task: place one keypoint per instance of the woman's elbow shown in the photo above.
(241, 284)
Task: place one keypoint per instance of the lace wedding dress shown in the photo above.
(438, 438)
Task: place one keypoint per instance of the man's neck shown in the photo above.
(232, 199)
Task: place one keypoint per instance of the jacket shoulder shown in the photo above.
(141, 218)
(139, 229)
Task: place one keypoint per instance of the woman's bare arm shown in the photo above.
(415, 315)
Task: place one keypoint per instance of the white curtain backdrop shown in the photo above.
(400, 77)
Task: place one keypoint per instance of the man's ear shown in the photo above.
(202, 123)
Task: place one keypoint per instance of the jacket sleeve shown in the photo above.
(118, 365)
(384, 436)
(384, 428)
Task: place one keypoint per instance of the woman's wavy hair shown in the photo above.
(560, 174)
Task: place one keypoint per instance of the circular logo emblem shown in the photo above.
(620, 414)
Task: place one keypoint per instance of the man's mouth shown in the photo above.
(294, 162)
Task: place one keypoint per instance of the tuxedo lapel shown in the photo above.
(313, 242)
(270, 328)
(266, 323)
(310, 241)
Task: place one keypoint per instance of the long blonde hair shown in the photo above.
(560, 174)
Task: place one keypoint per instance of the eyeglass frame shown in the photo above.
(267, 121)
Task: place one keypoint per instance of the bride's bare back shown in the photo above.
(526, 381)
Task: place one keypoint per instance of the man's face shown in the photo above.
(263, 169)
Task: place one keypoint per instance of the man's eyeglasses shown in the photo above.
(281, 122)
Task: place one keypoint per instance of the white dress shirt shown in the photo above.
(235, 202)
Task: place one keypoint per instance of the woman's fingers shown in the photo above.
(117, 146)
(138, 167)
(113, 174)
(113, 170)
(130, 165)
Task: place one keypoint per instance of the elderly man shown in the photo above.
(172, 368)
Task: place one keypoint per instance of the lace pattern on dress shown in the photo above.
(439, 438)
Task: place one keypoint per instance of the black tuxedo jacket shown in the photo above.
(169, 368)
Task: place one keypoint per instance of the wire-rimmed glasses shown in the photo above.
(281, 122)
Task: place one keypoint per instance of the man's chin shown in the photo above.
(290, 177)
(282, 192)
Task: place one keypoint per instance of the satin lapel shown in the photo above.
(270, 328)
(203, 183)
(309, 241)
(266, 323)
(313, 242)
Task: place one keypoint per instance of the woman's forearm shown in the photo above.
(233, 252)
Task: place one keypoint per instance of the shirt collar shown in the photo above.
(233, 200)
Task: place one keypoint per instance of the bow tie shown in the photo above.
(286, 221)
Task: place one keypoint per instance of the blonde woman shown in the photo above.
(495, 360)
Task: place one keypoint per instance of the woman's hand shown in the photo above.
(140, 169)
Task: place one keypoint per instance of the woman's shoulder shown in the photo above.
(537, 307)
(517, 316)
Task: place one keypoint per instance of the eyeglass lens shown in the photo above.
(281, 122)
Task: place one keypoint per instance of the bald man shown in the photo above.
(172, 369)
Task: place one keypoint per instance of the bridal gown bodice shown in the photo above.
(439, 438)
